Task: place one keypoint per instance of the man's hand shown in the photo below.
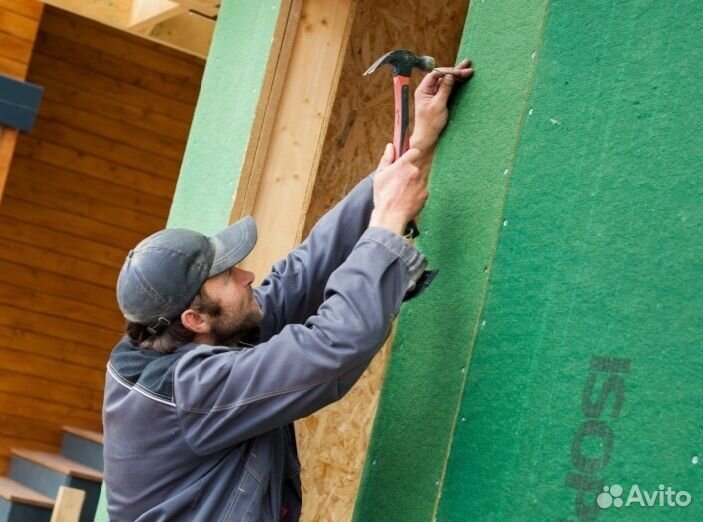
(399, 190)
(431, 104)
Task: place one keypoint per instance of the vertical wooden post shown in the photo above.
(69, 503)
(287, 170)
(246, 57)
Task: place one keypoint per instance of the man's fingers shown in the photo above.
(432, 80)
(428, 85)
(411, 155)
(457, 72)
(387, 157)
(445, 88)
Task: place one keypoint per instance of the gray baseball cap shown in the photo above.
(165, 271)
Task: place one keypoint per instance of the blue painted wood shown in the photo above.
(19, 103)
(42, 479)
(81, 450)
(48, 481)
(17, 512)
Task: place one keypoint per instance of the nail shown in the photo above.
(457, 78)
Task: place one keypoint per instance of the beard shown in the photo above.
(227, 331)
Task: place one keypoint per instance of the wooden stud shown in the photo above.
(266, 113)
(69, 503)
(147, 13)
(288, 167)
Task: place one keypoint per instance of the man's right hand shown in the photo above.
(399, 191)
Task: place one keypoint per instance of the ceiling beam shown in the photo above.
(186, 25)
(147, 13)
(187, 31)
(206, 7)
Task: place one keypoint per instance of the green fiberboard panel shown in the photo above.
(572, 171)
(232, 83)
(587, 370)
(460, 224)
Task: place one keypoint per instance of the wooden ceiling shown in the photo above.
(186, 25)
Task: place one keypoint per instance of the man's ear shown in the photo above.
(195, 321)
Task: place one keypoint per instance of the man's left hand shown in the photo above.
(431, 104)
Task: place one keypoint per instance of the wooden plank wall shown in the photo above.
(94, 177)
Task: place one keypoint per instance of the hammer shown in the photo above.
(402, 62)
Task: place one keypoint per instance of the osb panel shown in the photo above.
(333, 442)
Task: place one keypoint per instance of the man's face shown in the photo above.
(232, 291)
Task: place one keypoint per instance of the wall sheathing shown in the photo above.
(559, 350)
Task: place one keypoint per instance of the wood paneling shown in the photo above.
(94, 177)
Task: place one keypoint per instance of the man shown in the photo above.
(202, 392)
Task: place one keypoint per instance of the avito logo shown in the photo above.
(663, 497)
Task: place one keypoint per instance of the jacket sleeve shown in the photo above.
(294, 288)
(224, 397)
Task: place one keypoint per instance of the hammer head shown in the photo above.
(402, 61)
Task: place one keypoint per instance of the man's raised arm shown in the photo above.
(294, 288)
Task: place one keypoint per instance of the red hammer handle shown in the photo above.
(401, 140)
(401, 88)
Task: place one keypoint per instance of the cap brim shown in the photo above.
(232, 245)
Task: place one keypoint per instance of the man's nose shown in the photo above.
(245, 277)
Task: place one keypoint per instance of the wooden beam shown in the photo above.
(163, 21)
(206, 7)
(266, 114)
(187, 32)
(69, 503)
(289, 166)
(245, 59)
(148, 13)
(115, 13)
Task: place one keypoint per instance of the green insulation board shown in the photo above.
(576, 363)
(224, 116)
(427, 369)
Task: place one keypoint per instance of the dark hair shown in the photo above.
(174, 335)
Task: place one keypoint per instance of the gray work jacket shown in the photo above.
(205, 433)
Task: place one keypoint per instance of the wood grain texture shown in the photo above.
(275, 77)
(333, 442)
(29, 8)
(288, 168)
(69, 503)
(94, 177)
